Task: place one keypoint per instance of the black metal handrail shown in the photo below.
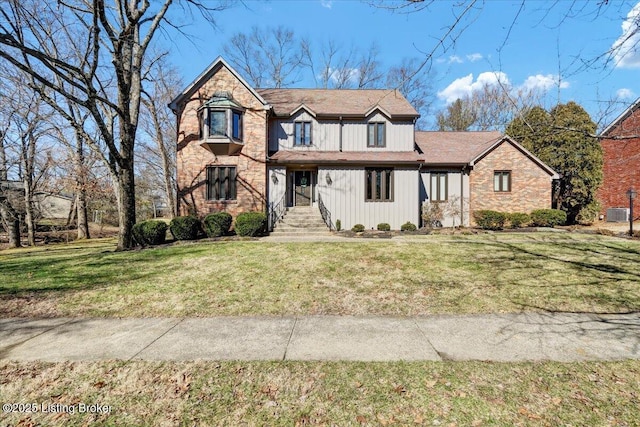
(326, 215)
(276, 211)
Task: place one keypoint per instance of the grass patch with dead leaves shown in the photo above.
(326, 393)
(425, 275)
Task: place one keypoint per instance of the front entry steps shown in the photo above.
(301, 221)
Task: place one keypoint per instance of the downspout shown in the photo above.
(462, 198)
(340, 136)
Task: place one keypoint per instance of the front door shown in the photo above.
(302, 188)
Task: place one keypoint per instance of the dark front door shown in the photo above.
(302, 184)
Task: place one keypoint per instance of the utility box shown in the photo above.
(618, 215)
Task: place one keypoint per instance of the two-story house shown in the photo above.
(353, 155)
(351, 152)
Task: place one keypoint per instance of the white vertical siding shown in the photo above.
(399, 135)
(457, 188)
(325, 134)
(279, 188)
(345, 198)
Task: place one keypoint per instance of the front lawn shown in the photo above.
(324, 393)
(424, 275)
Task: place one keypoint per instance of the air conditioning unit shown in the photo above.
(618, 215)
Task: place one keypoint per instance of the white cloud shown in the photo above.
(327, 3)
(465, 86)
(455, 59)
(626, 50)
(341, 75)
(543, 82)
(474, 57)
(625, 93)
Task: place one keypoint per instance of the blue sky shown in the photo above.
(545, 48)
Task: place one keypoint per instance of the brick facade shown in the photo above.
(530, 184)
(193, 159)
(621, 167)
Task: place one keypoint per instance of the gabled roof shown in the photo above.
(626, 113)
(354, 103)
(218, 63)
(468, 148)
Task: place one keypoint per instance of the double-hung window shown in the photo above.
(439, 187)
(302, 133)
(221, 183)
(378, 185)
(376, 135)
(502, 181)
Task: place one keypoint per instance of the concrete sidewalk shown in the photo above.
(507, 337)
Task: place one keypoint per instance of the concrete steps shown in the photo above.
(301, 221)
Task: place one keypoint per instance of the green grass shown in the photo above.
(327, 393)
(418, 276)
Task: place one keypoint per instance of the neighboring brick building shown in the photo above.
(484, 170)
(621, 159)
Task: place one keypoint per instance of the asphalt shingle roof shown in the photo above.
(454, 147)
(338, 102)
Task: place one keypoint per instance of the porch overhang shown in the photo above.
(348, 157)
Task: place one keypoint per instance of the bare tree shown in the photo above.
(414, 85)
(160, 125)
(27, 129)
(91, 54)
(266, 57)
(336, 67)
(8, 213)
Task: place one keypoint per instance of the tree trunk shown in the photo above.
(29, 216)
(126, 207)
(81, 192)
(12, 222)
(168, 183)
(83, 222)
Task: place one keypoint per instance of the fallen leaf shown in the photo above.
(399, 388)
(431, 383)
(361, 419)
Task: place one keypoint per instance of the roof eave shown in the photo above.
(626, 113)
(174, 105)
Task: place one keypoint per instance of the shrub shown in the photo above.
(185, 227)
(217, 224)
(408, 226)
(519, 219)
(251, 224)
(589, 213)
(383, 226)
(490, 220)
(432, 214)
(358, 228)
(338, 225)
(548, 217)
(150, 232)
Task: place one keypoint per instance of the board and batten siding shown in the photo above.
(345, 198)
(457, 187)
(277, 187)
(325, 134)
